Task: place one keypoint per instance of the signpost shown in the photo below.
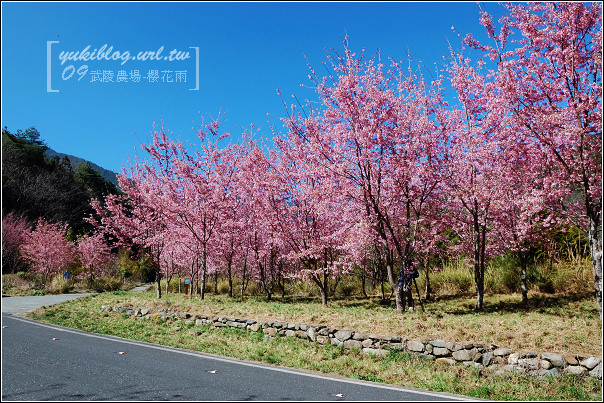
(187, 282)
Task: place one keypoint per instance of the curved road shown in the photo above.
(47, 362)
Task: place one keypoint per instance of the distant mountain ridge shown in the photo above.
(75, 161)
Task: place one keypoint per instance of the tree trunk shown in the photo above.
(194, 277)
(324, 297)
(398, 292)
(203, 274)
(595, 245)
(400, 300)
(523, 284)
(479, 258)
(244, 279)
(322, 290)
(230, 277)
(383, 290)
(158, 283)
(479, 280)
(428, 288)
(363, 282)
(202, 287)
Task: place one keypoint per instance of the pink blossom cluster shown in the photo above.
(387, 167)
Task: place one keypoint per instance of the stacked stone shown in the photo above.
(488, 356)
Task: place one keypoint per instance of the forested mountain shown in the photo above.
(108, 175)
(34, 185)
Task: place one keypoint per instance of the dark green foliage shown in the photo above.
(36, 186)
(98, 187)
(107, 175)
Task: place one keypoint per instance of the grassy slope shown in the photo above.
(565, 324)
(561, 324)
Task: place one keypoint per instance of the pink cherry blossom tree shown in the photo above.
(176, 257)
(476, 164)
(46, 248)
(203, 191)
(14, 231)
(379, 134)
(547, 82)
(94, 254)
(308, 212)
(265, 250)
(140, 217)
(176, 189)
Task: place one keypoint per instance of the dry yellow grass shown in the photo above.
(551, 323)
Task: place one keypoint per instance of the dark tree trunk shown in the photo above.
(244, 277)
(479, 257)
(202, 290)
(155, 263)
(230, 278)
(322, 290)
(158, 283)
(363, 276)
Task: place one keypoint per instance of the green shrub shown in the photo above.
(347, 290)
(503, 274)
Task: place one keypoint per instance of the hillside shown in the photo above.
(38, 183)
(75, 161)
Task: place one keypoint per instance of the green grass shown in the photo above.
(397, 368)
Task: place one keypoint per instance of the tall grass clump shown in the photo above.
(502, 276)
(454, 278)
(60, 285)
(107, 283)
(21, 283)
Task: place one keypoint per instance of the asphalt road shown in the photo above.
(46, 362)
(25, 304)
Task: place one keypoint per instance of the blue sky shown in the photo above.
(245, 50)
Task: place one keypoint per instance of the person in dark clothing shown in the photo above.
(405, 278)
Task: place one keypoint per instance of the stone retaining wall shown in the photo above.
(488, 356)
